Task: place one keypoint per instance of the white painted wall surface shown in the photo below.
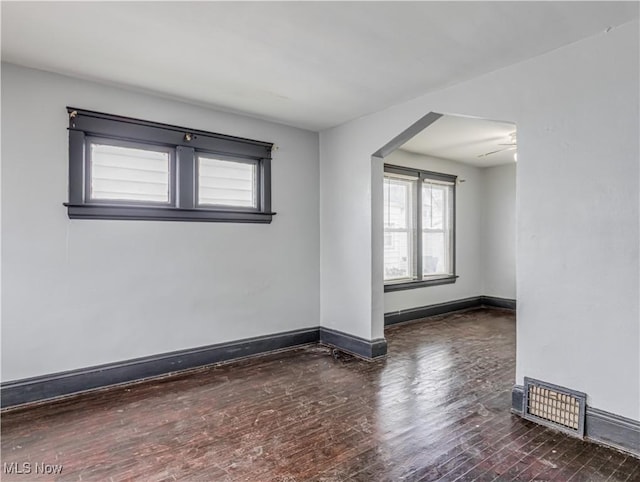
(468, 229)
(78, 293)
(498, 231)
(577, 212)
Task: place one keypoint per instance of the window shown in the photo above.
(122, 168)
(419, 228)
(119, 173)
(226, 183)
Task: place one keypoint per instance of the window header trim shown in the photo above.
(419, 173)
(126, 128)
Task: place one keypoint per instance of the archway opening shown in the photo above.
(443, 206)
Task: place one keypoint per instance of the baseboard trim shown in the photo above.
(410, 314)
(613, 430)
(56, 385)
(517, 399)
(61, 384)
(496, 302)
(353, 344)
(420, 312)
(602, 427)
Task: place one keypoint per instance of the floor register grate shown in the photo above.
(554, 406)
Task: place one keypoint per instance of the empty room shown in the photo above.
(320, 241)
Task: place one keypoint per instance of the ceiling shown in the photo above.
(308, 64)
(466, 140)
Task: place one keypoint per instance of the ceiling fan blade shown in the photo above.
(492, 152)
(510, 148)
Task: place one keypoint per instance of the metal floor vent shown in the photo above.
(554, 406)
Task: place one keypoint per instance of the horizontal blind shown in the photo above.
(124, 173)
(226, 183)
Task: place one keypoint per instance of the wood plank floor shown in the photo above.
(436, 409)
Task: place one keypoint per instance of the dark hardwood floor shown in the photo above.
(436, 409)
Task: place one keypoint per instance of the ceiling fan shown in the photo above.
(513, 144)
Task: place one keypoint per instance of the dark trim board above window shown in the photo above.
(419, 228)
(124, 168)
(409, 285)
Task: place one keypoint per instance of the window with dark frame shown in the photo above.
(419, 228)
(124, 168)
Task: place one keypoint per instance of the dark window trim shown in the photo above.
(152, 213)
(184, 144)
(421, 175)
(409, 285)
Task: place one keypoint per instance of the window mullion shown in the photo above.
(185, 179)
(418, 236)
(264, 183)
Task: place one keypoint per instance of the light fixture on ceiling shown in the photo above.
(515, 156)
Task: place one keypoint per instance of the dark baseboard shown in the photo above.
(353, 344)
(517, 399)
(430, 310)
(498, 302)
(610, 429)
(75, 381)
(56, 385)
(600, 426)
(447, 307)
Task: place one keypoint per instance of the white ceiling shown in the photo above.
(466, 140)
(308, 64)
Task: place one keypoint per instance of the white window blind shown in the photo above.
(226, 183)
(124, 173)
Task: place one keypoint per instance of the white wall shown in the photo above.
(468, 229)
(577, 212)
(84, 292)
(346, 293)
(498, 231)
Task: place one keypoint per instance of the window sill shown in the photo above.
(137, 213)
(409, 285)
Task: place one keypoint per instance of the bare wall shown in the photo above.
(498, 231)
(78, 293)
